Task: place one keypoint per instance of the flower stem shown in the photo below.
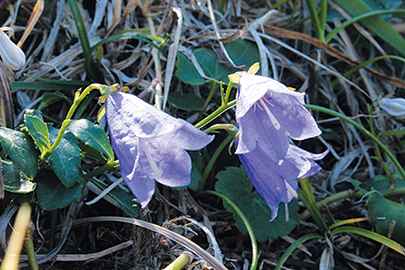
(255, 257)
(360, 127)
(109, 165)
(215, 114)
(77, 100)
(377, 149)
(29, 247)
(212, 161)
(185, 258)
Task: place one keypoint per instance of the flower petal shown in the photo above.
(270, 179)
(150, 144)
(394, 106)
(12, 56)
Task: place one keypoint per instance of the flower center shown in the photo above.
(273, 119)
(156, 171)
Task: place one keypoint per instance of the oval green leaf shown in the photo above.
(52, 194)
(92, 135)
(21, 150)
(65, 160)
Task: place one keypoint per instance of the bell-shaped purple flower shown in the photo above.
(268, 114)
(278, 183)
(150, 144)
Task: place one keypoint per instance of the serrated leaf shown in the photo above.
(38, 131)
(50, 98)
(234, 184)
(21, 150)
(92, 135)
(65, 160)
(380, 207)
(14, 180)
(52, 194)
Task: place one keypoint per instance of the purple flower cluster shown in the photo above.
(269, 114)
(151, 145)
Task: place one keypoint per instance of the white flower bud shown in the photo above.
(394, 106)
(12, 56)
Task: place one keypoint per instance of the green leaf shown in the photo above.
(380, 207)
(186, 72)
(65, 160)
(38, 131)
(52, 194)
(50, 98)
(211, 65)
(14, 180)
(234, 184)
(186, 101)
(371, 235)
(92, 135)
(242, 52)
(21, 150)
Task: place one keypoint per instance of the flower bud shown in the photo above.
(394, 106)
(12, 56)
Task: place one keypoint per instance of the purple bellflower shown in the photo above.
(278, 183)
(268, 114)
(150, 144)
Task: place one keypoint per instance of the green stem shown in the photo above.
(109, 165)
(315, 19)
(29, 247)
(227, 93)
(307, 197)
(215, 114)
(255, 257)
(377, 149)
(213, 90)
(78, 99)
(348, 194)
(360, 127)
(212, 161)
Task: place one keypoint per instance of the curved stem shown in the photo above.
(109, 165)
(255, 257)
(215, 114)
(360, 127)
(77, 100)
(212, 161)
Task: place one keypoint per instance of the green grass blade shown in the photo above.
(370, 15)
(375, 24)
(294, 246)
(371, 235)
(89, 63)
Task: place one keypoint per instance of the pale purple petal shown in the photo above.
(268, 114)
(393, 106)
(150, 145)
(269, 178)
